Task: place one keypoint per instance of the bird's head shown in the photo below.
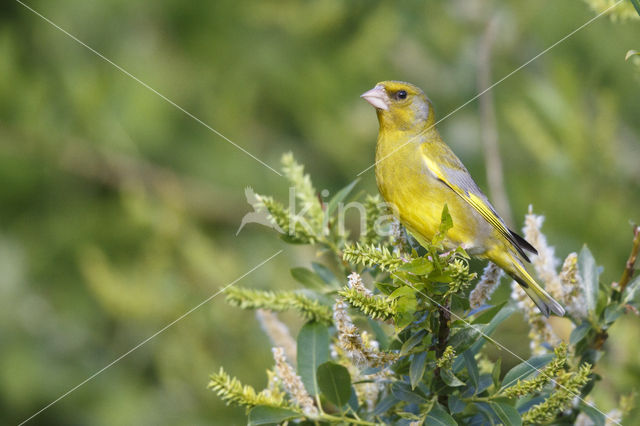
(400, 106)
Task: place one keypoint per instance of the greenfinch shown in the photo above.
(418, 174)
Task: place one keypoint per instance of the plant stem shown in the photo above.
(346, 420)
(627, 274)
(444, 313)
(633, 256)
(480, 398)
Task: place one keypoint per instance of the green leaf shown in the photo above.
(446, 223)
(464, 338)
(406, 305)
(385, 404)
(339, 197)
(353, 400)
(486, 413)
(589, 274)
(416, 370)
(486, 316)
(403, 392)
(459, 302)
(594, 414)
(450, 379)
(419, 266)
(325, 274)
(495, 374)
(636, 5)
(612, 313)
(334, 382)
(631, 290)
(308, 278)
(502, 315)
(264, 415)
(507, 414)
(472, 368)
(631, 53)
(456, 405)
(313, 350)
(526, 369)
(579, 333)
(385, 288)
(412, 342)
(438, 417)
(488, 330)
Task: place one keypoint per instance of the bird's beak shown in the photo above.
(377, 97)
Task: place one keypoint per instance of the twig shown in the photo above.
(629, 269)
(627, 274)
(492, 159)
(444, 314)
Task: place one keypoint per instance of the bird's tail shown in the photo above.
(540, 297)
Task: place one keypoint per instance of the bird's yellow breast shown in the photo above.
(419, 197)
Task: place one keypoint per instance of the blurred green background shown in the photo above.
(118, 212)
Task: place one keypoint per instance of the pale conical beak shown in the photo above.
(377, 97)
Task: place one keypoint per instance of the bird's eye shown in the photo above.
(401, 94)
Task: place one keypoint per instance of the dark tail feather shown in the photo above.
(522, 243)
(543, 301)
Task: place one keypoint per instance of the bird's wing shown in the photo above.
(450, 171)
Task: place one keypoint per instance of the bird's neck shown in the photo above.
(396, 133)
(403, 123)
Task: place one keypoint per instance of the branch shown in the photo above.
(444, 313)
(630, 265)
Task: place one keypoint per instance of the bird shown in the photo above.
(417, 173)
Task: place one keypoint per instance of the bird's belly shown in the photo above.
(418, 202)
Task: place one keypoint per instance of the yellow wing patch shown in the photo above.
(459, 180)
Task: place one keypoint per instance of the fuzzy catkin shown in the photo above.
(278, 333)
(486, 286)
(293, 383)
(545, 262)
(541, 334)
(350, 340)
(540, 331)
(355, 282)
(572, 287)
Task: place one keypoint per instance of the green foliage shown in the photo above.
(91, 162)
(278, 301)
(551, 370)
(371, 255)
(446, 360)
(373, 306)
(432, 369)
(265, 415)
(461, 278)
(231, 391)
(313, 350)
(569, 385)
(335, 383)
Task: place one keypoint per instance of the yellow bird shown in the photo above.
(418, 173)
